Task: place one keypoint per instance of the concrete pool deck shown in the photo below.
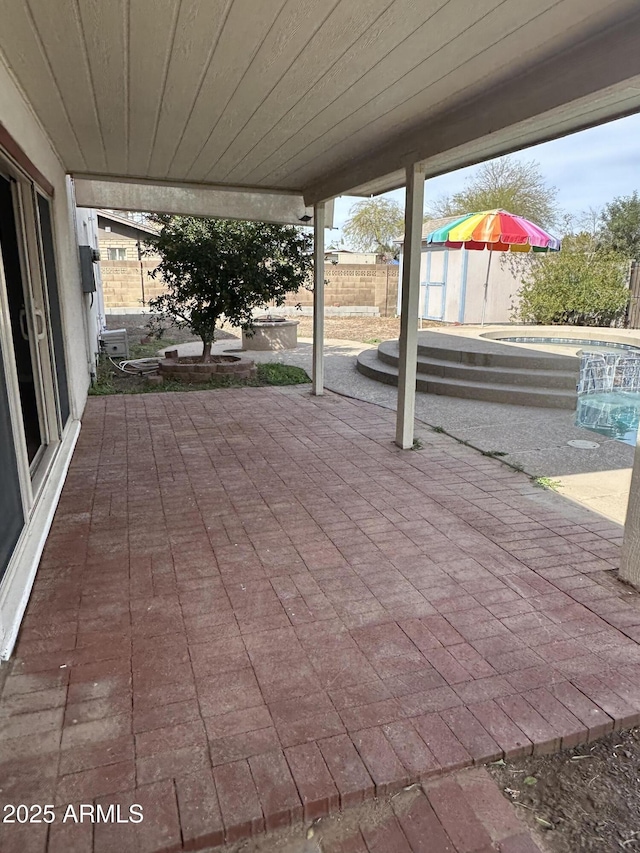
(499, 333)
(532, 438)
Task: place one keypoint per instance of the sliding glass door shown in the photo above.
(34, 396)
(25, 325)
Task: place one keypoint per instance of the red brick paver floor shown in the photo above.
(459, 813)
(253, 608)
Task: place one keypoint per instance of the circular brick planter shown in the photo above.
(194, 370)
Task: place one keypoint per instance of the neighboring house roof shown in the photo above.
(430, 225)
(131, 223)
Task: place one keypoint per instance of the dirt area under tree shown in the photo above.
(581, 800)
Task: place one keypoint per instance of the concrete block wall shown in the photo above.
(123, 283)
(374, 285)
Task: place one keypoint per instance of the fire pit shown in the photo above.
(271, 333)
(193, 370)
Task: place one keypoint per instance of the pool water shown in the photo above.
(615, 414)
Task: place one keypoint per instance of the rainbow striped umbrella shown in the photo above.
(497, 231)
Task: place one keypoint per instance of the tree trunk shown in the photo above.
(206, 351)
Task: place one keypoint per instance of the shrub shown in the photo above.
(578, 286)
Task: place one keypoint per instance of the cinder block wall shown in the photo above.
(356, 284)
(123, 283)
(373, 285)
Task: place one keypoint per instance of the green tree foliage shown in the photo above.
(215, 268)
(620, 226)
(373, 225)
(516, 186)
(580, 285)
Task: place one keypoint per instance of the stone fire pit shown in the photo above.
(271, 333)
(193, 370)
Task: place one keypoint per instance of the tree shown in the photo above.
(590, 221)
(581, 285)
(620, 223)
(215, 268)
(373, 225)
(510, 184)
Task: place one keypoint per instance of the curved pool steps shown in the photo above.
(458, 366)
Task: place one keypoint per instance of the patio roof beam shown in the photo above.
(318, 299)
(408, 344)
(541, 102)
(184, 199)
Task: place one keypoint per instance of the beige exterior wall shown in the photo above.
(39, 503)
(19, 120)
(356, 284)
(338, 257)
(108, 240)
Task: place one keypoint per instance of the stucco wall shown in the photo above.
(20, 122)
(87, 231)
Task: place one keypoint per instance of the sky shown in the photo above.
(588, 168)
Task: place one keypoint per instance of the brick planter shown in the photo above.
(193, 370)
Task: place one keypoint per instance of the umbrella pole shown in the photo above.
(486, 287)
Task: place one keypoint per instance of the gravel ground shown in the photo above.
(368, 330)
(364, 330)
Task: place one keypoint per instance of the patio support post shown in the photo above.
(318, 299)
(408, 343)
(630, 558)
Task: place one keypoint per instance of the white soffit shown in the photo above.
(580, 115)
(307, 97)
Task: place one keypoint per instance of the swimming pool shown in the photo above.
(614, 414)
(581, 344)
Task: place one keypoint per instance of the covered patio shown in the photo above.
(253, 607)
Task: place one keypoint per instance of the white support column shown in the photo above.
(630, 558)
(318, 299)
(413, 216)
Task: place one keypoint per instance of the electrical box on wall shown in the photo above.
(114, 342)
(88, 257)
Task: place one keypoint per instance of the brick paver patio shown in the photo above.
(253, 607)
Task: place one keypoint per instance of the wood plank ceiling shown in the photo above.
(266, 93)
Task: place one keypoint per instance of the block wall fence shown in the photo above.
(127, 284)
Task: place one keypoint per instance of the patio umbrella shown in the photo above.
(497, 231)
